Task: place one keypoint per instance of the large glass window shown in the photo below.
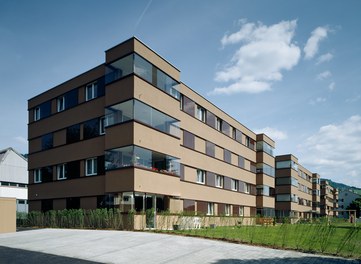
(286, 164)
(134, 109)
(134, 63)
(210, 208)
(68, 100)
(226, 128)
(119, 68)
(240, 162)
(134, 156)
(263, 190)
(265, 168)
(263, 146)
(167, 84)
(47, 141)
(46, 174)
(238, 136)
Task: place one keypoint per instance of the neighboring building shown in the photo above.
(316, 194)
(329, 199)
(293, 188)
(345, 198)
(14, 178)
(128, 134)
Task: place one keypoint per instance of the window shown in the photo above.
(227, 156)
(283, 198)
(47, 141)
(91, 91)
(188, 139)
(91, 128)
(211, 119)
(210, 209)
(241, 211)
(61, 172)
(73, 134)
(225, 128)
(263, 146)
(91, 167)
(218, 124)
(265, 168)
(234, 185)
(227, 209)
(42, 111)
(234, 132)
(201, 113)
(188, 105)
(250, 142)
(247, 187)
(240, 162)
(210, 149)
(36, 113)
(219, 181)
(61, 103)
(201, 176)
(102, 126)
(134, 156)
(37, 176)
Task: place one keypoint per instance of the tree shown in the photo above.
(355, 205)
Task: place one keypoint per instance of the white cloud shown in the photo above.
(273, 133)
(318, 100)
(21, 140)
(334, 151)
(324, 75)
(332, 86)
(324, 58)
(353, 99)
(311, 47)
(264, 52)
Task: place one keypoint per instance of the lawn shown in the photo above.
(322, 238)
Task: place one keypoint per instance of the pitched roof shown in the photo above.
(4, 152)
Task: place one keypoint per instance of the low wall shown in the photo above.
(7, 215)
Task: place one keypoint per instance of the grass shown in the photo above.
(321, 238)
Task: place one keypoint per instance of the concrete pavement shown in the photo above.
(99, 246)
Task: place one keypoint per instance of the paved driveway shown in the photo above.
(98, 246)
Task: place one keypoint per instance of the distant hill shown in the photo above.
(342, 186)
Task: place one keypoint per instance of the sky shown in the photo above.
(287, 68)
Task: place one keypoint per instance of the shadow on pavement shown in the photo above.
(301, 260)
(20, 256)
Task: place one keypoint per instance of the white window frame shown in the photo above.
(219, 181)
(227, 210)
(60, 172)
(234, 185)
(218, 124)
(60, 103)
(102, 125)
(37, 176)
(247, 187)
(37, 113)
(210, 208)
(93, 166)
(201, 176)
(201, 113)
(241, 211)
(93, 87)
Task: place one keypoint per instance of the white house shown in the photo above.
(14, 177)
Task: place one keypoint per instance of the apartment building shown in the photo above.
(293, 188)
(128, 134)
(345, 198)
(14, 178)
(316, 194)
(329, 199)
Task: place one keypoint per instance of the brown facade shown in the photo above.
(129, 135)
(329, 199)
(293, 188)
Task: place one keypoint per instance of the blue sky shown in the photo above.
(291, 69)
